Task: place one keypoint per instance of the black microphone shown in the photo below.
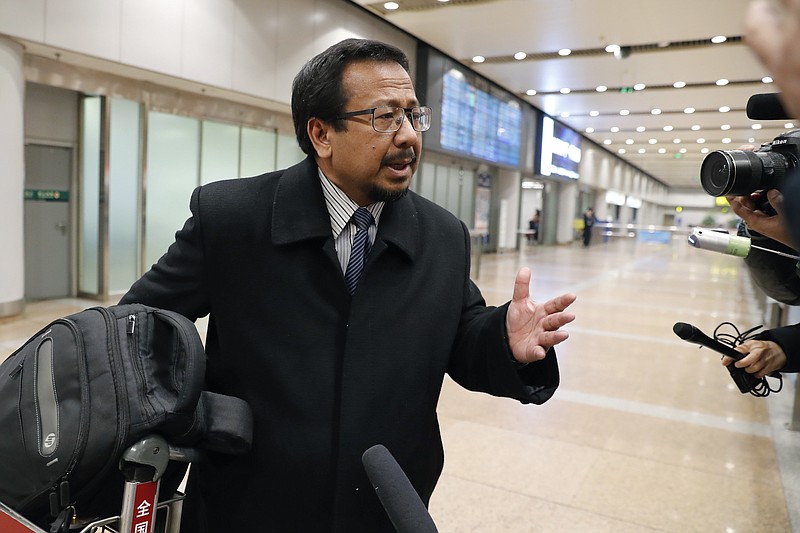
(691, 334)
(745, 381)
(766, 106)
(398, 497)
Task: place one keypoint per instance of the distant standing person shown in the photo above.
(588, 221)
(533, 226)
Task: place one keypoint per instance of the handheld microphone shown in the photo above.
(689, 333)
(398, 497)
(745, 381)
(766, 106)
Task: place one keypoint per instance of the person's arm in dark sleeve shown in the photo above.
(483, 359)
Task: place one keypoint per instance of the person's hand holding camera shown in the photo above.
(749, 209)
(761, 357)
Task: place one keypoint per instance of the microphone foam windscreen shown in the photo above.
(398, 497)
(766, 106)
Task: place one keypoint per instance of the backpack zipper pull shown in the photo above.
(16, 370)
(131, 324)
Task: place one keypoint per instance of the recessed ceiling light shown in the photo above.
(679, 84)
(756, 126)
(751, 140)
(726, 140)
(704, 150)
(655, 111)
(701, 141)
(624, 112)
(662, 150)
(640, 129)
(520, 55)
(564, 52)
(614, 129)
(565, 114)
(766, 79)
(444, 1)
(642, 151)
(621, 151)
(628, 141)
(653, 141)
(719, 39)
(391, 5)
(612, 48)
(725, 127)
(607, 141)
(530, 92)
(639, 87)
(688, 110)
(789, 126)
(565, 90)
(722, 82)
(601, 88)
(667, 128)
(589, 130)
(682, 150)
(696, 127)
(478, 59)
(676, 141)
(594, 113)
(724, 109)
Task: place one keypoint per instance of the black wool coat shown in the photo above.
(328, 374)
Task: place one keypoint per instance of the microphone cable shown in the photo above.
(762, 388)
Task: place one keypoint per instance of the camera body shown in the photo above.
(743, 172)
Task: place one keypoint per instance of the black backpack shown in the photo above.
(89, 385)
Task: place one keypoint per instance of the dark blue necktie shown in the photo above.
(358, 253)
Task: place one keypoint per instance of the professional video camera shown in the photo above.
(742, 172)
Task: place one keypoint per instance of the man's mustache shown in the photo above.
(400, 158)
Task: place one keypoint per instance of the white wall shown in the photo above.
(509, 187)
(12, 180)
(567, 202)
(254, 47)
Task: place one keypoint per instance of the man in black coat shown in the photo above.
(334, 360)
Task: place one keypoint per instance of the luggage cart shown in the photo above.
(142, 465)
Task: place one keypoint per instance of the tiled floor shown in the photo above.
(647, 433)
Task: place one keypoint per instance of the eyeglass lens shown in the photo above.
(388, 119)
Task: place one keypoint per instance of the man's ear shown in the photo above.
(318, 131)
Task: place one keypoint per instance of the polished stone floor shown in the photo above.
(647, 432)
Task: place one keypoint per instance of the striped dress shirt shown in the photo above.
(341, 209)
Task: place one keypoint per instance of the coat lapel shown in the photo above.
(299, 214)
(298, 211)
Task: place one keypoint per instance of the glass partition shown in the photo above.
(173, 165)
(89, 203)
(219, 152)
(123, 195)
(259, 152)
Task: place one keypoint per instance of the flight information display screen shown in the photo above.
(561, 150)
(479, 124)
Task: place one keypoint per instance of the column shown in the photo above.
(12, 178)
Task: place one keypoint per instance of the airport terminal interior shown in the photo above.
(646, 433)
(107, 131)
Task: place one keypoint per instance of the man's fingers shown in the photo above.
(559, 303)
(522, 284)
(762, 29)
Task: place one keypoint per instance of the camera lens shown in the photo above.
(735, 172)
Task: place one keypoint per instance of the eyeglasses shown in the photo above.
(388, 119)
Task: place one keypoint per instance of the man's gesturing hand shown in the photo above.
(533, 327)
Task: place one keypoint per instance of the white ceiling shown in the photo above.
(497, 29)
